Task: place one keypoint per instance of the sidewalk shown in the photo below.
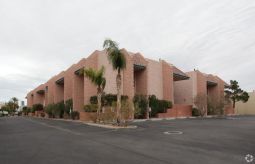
(174, 118)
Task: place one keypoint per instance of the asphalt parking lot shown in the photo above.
(212, 141)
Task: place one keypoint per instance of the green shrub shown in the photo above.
(195, 112)
(68, 106)
(108, 115)
(75, 115)
(25, 110)
(93, 100)
(29, 110)
(90, 108)
(19, 113)
(158, 106)
(32, 110)
(37, 107)
(49, 109)
(215, 107)
(126, 110)
(58, 109)
(107, 99)
(42, 114)
(140, 104)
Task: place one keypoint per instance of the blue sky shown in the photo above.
(40, 38)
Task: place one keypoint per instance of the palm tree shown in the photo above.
(97, 78)
(15, 100)
(15, 103)
(118, 61)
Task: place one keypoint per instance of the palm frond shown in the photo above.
(96, 77)
(108, 43)
(91, 74)
(103, 83)
(115, 56)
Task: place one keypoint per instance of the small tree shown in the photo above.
(215, 106)
(200, 102)
(12, 105)
(140, 104)
(37, 107)
(235, 93)
(15, 102)
(97, 78)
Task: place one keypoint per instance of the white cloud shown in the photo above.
(39, 38)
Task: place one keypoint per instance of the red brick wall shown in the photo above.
(140, 76)
(183, 90)
(68, 83)
(87, 116)
(167, 71)
(229, 110)
(201, 83)
(30, 99)
(178, 110)
(58, 89)
(128, 76)
(89, 88)
(78, 87)
(49, 94)
(38, 98)
(141, 82)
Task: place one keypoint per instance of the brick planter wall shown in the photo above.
(87, 116)
(38, 113)
(178, 110)
(31, 114)
(229, 110)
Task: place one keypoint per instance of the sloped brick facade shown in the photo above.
(141, 76)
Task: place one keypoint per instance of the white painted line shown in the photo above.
(173, 132)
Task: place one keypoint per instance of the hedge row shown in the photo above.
(60, 109)
(158, 106)
(141, 104)
(107, 99)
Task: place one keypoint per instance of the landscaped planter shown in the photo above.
(87, 116)
(31, 114)
(66, 116)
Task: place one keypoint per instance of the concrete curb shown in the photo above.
(111, 126)
(176, 118)
(107, 126)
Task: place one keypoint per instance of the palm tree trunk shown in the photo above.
(118, 82)
(99, 96)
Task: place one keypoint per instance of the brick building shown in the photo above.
(207, 85)
(141, 76)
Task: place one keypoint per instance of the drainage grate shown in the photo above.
(173, 132)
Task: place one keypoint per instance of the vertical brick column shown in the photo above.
(201, 86)
(30, 99)
(128, 77)
(78, 93)
(89, 88)
(168, 91)
(50, 92)
(58, 88)
(68, 84)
